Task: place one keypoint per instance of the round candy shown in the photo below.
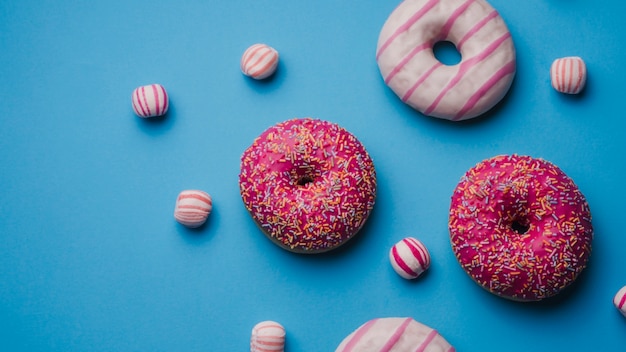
(568, 75)
(267, 336)
(192, 208)
(150, 101)
(409, 258)
(520, 227)
(259, 61)
(394, 334)
(309, 184)
(620, 300)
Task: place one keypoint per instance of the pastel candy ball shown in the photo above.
(259, 61)
(409, 258)
(193, 208)
(620, 300)
(568, 74)
(150, 101)
(267, 336)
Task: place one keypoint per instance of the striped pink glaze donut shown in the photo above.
(394, 335)
(259, 61)
(620, 300)
(409, 258)
(150, 101)
(408, 65)
(193, 208)
(568, 75)
(520, 227)
(309, 184)
(267, 336)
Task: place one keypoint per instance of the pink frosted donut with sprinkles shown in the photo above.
(394, 334)
(454, 92)
(259, 61)
(409, 258)
(150, 101)
(620, 300)
(309, 184)
(267, 336)
(568, 75)
(520, 227)
(193, 208)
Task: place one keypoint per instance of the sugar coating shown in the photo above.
(409, 258)
(309, 184)
(259, 61)
(150, 101)
(568, 75)
(394, 334)
(267, 336)
(620, 300)
(457, 92)
(520, 227)
(193, 208)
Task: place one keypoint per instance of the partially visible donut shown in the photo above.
(520, 227)
(408, 65)
(309, 184)
(394, 335)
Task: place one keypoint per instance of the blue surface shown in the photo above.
(91, 258)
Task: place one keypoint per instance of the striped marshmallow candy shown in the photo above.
(409, 258)
(259, 61)
(267, 336)
(620, 300)
(150, 101)
(568, 74)
(193, 208)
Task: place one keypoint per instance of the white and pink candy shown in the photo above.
(150, 101)
(409, 258)
(394, 334)
(267, 336)
(259, 61)
(620, 300)
(193, 208)
(568, 75)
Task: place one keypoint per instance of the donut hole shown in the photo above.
(447, 53)
(520, 227)
(304, 180)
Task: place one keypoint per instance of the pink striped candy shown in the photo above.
(150, 101)
(409, 258)
(568, 75)
(620, 300)
(192, 208)
(394, 334)
(267, 336)
(259, 61)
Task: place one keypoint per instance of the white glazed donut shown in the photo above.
(409, 67)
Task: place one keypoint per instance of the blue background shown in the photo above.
(91, 258)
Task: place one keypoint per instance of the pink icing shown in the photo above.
(520, 227)
(308, 183)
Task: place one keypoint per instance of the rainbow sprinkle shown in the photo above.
(309, 184)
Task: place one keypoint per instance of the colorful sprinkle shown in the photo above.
(308, 183)
(193, 208)
(620, 300)
(409, 258)
(259, 61)
(531, 239)
(267, 336)
(568, 75)
(150, 101)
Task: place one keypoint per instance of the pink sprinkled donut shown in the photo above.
(568, 75)
(458, 92)
(409, 258)
(520, 227)
(259, 61)
(309, 184)
(267, 336)
(150, 101)
(193, 208)
(620, 300)
(394, 334)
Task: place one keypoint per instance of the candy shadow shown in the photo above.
(201, 234)
(158, 125)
